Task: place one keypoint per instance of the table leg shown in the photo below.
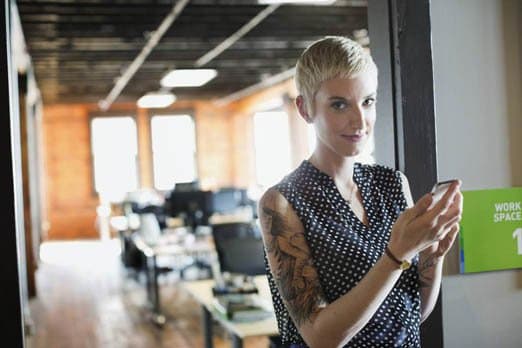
(153, 291)
(237, 342)
(207, 327)
(155, 287)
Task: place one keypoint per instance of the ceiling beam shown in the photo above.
(138, 61)
(203, 60)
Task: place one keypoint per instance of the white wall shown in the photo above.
(477, 54)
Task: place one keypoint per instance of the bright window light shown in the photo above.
(188, 77)
(115, 158)
(156, 100)
(173, 150)
(272, 146)
(308, 2)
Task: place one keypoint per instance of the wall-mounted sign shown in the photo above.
(491, 230)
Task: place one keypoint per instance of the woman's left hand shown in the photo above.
(440, 249)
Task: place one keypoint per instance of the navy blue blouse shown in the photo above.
(344, 249)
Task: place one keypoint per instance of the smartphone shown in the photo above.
(439, 189)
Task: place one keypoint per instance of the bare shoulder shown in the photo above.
(274, 208)
(290, 259)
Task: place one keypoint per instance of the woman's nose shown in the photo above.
(357, 118)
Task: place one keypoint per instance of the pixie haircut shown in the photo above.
(325, 59)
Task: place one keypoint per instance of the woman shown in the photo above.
(352, 261)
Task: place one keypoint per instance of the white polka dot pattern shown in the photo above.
(344, 249)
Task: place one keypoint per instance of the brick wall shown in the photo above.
(224, 147)
(71, 202)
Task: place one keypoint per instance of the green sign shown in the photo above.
(491, 230)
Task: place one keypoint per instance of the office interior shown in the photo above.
(107, 183)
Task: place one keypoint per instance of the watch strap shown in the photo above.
(402, 264)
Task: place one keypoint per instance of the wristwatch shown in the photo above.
(403, 265)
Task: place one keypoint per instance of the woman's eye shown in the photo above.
(369, 102)
(339, 105)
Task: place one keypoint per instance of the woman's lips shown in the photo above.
(353, 138)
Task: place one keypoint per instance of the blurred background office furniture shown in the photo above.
(165, 251)
(193, 206)
(190, 207)
(135, 204)
(199, 209)
(227, 200)
(201, 291)
(147, 237)
(239, 248)
(212, 228)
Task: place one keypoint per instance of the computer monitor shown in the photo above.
(239, 248)
(187, 186)
(194, 206)
(227, 200)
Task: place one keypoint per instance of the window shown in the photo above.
(173, 150)
(272, 146)
(115, 149)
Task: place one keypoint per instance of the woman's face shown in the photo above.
(344, 112)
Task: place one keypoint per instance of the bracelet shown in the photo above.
(403, 265)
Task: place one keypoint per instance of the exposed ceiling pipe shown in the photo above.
(272, 80)
(216, 51)
(138, 61)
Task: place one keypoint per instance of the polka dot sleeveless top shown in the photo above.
(344, 250)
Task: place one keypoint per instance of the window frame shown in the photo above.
(176, 112)
(92, 116)
(253, 116)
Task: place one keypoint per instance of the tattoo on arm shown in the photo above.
(293, 269)
(426, 269)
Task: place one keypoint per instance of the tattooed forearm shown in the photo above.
(426, 271)
(293, 269)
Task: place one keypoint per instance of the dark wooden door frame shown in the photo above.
(11, 321)
(415, 116)
(400, 34)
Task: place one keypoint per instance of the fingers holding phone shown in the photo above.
(443, 194)
(446, 207)
(430, 220)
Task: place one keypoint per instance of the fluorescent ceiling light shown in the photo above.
(188, 77)
(308, 2)
(156, 100)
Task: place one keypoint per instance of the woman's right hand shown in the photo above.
(420, 226)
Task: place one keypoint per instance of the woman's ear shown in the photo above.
(301, 107)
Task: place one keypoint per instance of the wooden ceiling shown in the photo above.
(80, 48)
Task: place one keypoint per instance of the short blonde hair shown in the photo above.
(325, 59)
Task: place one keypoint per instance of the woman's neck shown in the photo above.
(338, 167)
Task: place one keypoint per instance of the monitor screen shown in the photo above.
(189, 202)
(227, 200)
(239, 248)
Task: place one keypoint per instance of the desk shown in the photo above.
(201, 291)
(196, 249)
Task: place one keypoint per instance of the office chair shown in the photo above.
(239, 248)
(150, 231)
